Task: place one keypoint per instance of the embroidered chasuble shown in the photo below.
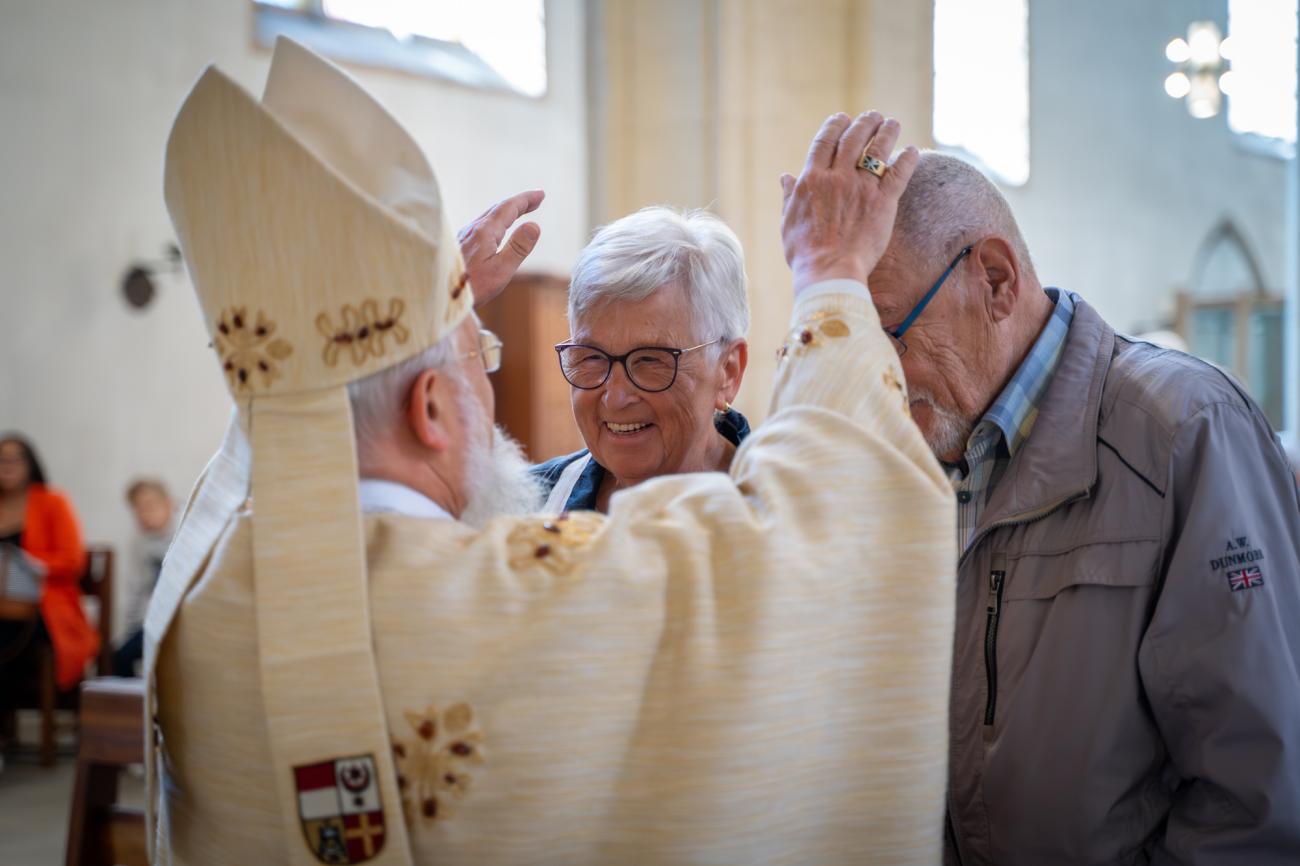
(748, 668)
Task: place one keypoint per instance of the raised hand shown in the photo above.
(836, 218)
(489, 264)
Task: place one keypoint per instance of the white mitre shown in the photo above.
(314, 234)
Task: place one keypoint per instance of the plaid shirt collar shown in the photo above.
(1014, 412)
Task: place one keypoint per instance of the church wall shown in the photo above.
(1124, 184)
(88, 91)
(703, 103)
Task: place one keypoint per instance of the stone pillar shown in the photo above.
(703, 103)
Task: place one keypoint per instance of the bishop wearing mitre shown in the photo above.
(748, 668)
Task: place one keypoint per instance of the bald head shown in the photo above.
(964, 346)
(947, 204)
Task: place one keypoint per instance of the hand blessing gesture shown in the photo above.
(837, 216)
(489, 264)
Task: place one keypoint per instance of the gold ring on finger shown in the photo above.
(872, 164)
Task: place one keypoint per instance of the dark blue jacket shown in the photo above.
(731, 425)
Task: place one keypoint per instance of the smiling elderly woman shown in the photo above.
(658, 316)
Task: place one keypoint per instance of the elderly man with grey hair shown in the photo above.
(1125, 682)
(658, 317)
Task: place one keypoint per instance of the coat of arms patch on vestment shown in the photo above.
(338, 803)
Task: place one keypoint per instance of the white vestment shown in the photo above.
(380, 496)
(726, 669)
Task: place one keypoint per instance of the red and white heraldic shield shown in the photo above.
(338, 802)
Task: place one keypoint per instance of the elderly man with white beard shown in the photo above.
(405, 466)
(404, 463)
(746, 668)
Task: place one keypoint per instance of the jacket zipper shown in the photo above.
(1019, 520)
(997, 577)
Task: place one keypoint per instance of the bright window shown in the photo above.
(490, 43)
(1261, 85)
(981, 83)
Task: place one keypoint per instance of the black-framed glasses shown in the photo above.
(489, 349)
(896, 335)
(650, 368)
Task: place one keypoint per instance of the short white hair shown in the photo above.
(948, 204)
(631, 258)
(377, 400)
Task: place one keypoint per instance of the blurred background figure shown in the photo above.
(40, 522)
(658, 317)
(154, 513)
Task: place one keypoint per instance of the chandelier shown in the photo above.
(1202, 76)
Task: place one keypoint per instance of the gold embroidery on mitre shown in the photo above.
(553, 542)
(248, 349)
(432, 765)
(363, 331)
(459, 289)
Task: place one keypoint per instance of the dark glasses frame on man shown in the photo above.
(896, 335)
(661, 353)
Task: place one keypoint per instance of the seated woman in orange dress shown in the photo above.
(41, 522)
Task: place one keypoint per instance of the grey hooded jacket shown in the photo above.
(1126, 678)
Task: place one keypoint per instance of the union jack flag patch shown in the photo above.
(1245, 579)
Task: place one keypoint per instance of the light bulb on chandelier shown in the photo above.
(1202, 76)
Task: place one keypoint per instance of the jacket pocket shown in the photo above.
(1045, 574)
(1067, 713)
(1053, 603)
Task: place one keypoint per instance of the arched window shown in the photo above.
(1230, 317)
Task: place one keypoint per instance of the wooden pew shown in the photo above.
(100, 832)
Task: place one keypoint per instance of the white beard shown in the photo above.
(497, 477)
(948, 431)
